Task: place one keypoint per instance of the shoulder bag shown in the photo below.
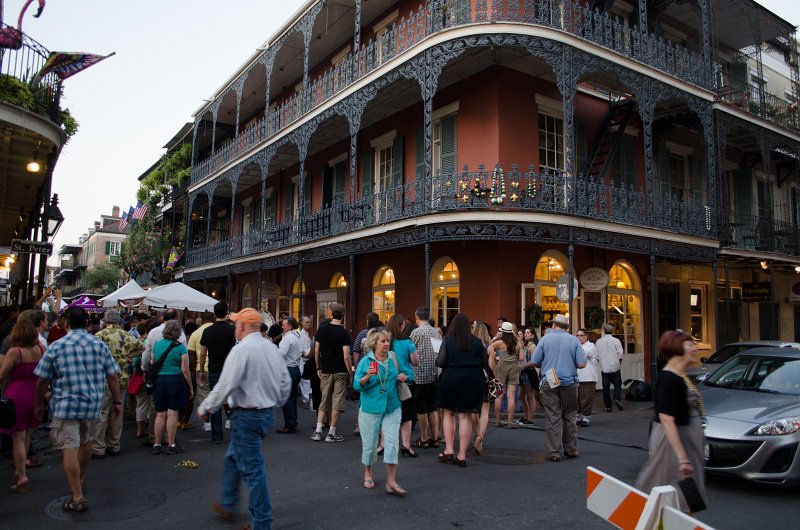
(150, 377)
(403, 392)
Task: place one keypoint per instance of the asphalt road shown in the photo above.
(318, 485)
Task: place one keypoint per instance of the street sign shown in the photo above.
(31, 247)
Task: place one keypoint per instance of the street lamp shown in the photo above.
(55, 218)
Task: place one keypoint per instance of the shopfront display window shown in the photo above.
(383, 293)
(624, 307)
(298, 292)
(549, 269)
(445, 290)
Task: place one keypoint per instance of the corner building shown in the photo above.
(475, 155)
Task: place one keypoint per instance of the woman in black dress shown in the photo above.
(461, 358)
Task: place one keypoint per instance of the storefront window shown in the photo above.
(549, 269)
(696, 305)
(383, 293)
(337, 280)
(624, 307)
(298, 291)
(247, 296)
(445, 290)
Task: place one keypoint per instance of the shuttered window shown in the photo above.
(444, 145)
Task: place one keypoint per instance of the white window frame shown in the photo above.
(267, 208)
(295, 196)
(552, 109)
(703, 315)
(380, 29)
(379, 144)
(683, 152)
(114, 248)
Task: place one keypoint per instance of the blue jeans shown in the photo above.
(216, 417)
(245, 460)
(290, 407)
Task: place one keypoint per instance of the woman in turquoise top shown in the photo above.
(407, 356)
(376, 378)
(173, 385)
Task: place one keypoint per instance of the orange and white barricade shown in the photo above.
(630, 509)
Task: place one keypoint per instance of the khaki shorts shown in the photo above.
(334, 388)
(507, 373)
(202, 391)
(70, 434)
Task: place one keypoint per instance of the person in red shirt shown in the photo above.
(57, 330)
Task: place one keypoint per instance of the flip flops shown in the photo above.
(72, 505)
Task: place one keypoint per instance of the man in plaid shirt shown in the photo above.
(77, 368)
(425, 375)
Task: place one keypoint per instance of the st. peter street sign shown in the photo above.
(31, 247)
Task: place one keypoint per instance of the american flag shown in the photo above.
(140, 211)
(124, 221)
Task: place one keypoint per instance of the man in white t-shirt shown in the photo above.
(610, 351)
(587, 379)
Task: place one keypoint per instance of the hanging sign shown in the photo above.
(31, 247)
(756, 292)
(562, 288)
(595, 279)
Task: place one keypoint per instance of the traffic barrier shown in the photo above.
(630, 509)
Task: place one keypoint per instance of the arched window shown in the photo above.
(298, 292)
(383, 293)
(624, 306)
(445, 290)
(337, 280)
(247, 296)
(549, 269)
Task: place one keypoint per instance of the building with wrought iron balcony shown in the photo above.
(476, 155)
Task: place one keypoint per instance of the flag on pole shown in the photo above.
(140, 211)
(66, 64)
(123, 223)
(131, 218)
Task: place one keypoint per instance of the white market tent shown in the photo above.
(174, 295)
(129, 290)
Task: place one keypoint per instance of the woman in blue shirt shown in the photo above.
(407, 356)
(376, 378)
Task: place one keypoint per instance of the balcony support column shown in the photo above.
(301, 139)
(714, 295)
(353, 108)
(264, 161)
(306, 27)
(653, 316)
(705, 112)
(647, 108)
(567, 73)
(773, 309)
(234, 185)
(706, 21)
(210, 192)
(189, 242)
(427, 270)
(351, 292)
(643, 19)
(300, 267)
(268, 60)
(571, 276)
(238, 86)
(196, 130)
(214, 113)
(357, 28)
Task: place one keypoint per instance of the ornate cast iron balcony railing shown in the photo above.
(434, 16)
(764, 234)
(749, 97)
(18, 69)
(495, 190)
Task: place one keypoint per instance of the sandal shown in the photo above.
(434, 444)
(72, 505)
(421, 444)
(369, 484)
(446, 457)
(478, 445)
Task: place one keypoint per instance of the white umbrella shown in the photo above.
(129, 290)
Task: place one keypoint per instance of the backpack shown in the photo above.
(638, 391)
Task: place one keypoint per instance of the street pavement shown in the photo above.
(318, 485)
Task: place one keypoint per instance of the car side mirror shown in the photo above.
(702, 377)
(704, 359)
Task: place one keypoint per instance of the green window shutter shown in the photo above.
(307, 194)
(366, 172)
(740, 72)
(449, 143)
(628, 152)
(420, 146)
(108, 248)
(340, 183)
(397, 162)
(327, 186)
(696, 178)
(287, 203)
(580, 147)
(663, 170)
(273, 209)
(254, 207)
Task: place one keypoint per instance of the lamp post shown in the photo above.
(54, 217)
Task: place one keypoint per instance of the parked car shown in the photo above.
(713, 361)
(752, 422)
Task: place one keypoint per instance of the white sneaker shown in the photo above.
(317, 436)
(206, 426)
(228, 424)
(334, 438)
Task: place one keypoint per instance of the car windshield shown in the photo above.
(774, 375)
(726, 352)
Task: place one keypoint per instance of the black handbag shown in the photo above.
(8, 412)
(150, 376)
(692, 495)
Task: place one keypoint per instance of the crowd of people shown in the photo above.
(231, 370)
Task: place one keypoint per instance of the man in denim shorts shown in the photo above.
(77, 368)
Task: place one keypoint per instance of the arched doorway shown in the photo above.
(383, 293)
(337, 280)
(445, 290)
(624, 306)
(549, 269)
(336, 292)
(298, 292)
(247, 296)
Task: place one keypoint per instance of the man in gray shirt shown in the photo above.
(290, 349)
(425, 378)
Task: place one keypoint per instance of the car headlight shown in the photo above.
(779, 427)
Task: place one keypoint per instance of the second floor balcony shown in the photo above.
(492, 191)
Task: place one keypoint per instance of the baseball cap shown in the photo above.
(246, 316)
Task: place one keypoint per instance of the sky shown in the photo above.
(171, 55)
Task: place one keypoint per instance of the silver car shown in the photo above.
(752, 424)
(715, 360)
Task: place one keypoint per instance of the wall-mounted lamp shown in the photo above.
(797, 269)
(764, 264)
(56, 218)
